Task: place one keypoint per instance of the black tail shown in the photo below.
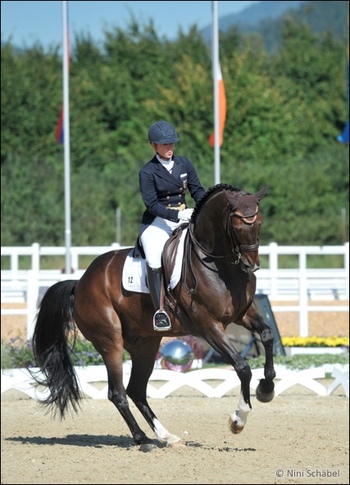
(53, 341)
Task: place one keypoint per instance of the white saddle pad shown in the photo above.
(135, 273)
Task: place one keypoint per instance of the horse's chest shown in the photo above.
(221, 300)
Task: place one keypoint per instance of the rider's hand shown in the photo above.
(185, 215)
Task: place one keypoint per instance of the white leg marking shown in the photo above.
(163, 434)
(238, 419)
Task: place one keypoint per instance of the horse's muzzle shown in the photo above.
(248, 266)
(256, 267)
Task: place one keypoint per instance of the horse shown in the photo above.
(216, 288)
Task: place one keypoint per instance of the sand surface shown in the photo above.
(299, 437)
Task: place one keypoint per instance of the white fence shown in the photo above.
(302, 284)
(202, 380)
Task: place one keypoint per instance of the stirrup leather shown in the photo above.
(161, 321)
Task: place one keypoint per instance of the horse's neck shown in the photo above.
(205, 228)
(211, 235)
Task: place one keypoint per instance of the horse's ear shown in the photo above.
(262, 192)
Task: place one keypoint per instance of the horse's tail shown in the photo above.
(53, 341)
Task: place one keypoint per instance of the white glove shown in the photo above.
(185, 215)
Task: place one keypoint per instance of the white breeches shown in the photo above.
(154, 237)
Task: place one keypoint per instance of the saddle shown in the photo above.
(134, 271)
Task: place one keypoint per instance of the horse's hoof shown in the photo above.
(234, 426)
(147, 447)
(176, 444)
(264, 392)
(172, 440)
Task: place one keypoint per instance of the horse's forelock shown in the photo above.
(247, 205)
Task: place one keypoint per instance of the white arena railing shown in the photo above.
(213, 383)
(301, 285)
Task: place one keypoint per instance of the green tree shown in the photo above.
(284, 112)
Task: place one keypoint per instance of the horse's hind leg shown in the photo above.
(143, 354)
(117, 395)
(110, 345)
(254, 322)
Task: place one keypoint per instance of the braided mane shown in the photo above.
(212, 191)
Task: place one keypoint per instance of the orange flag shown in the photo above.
(222, 108)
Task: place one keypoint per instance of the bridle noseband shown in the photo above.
(248, 221)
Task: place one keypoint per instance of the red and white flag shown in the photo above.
(222, 107)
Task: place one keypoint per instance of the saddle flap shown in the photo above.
(169, 253)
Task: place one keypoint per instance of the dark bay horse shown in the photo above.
(217, 287)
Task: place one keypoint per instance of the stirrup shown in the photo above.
(161, 321)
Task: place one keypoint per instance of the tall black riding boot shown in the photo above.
(161, 320)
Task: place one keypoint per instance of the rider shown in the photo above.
(164, 181)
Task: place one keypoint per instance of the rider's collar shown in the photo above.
(163, 160)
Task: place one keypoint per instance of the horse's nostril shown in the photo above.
(250, 267)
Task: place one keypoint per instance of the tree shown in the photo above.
(284, 112)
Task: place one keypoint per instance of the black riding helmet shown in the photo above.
(162, 133)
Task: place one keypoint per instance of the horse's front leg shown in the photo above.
(219, 340)
(143, 354)
(253, 321)
(238, 418)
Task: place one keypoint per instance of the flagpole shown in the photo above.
(66, 141)
(215, 63)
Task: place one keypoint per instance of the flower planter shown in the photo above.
(290, 351)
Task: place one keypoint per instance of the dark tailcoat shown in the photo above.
(161, 190)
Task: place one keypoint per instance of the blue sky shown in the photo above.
(26, 22)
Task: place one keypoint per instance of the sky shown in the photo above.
(25, 23)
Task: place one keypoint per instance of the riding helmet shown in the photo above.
(162, 132)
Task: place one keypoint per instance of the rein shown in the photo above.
(211, 255)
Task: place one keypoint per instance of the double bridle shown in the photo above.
(248, 221)
(236, 248)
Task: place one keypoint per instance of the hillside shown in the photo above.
(256, 13)
(266, 19)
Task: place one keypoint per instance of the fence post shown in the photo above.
(75, 259)
(303, 313)
(14, 263)
(346, 265)
(32, 298)
(36, 257)
(273, 264)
